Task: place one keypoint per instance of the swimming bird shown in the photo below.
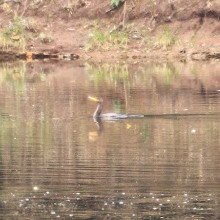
(109, 116)
(97, 116)
(115, 4)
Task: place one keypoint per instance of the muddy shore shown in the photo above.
(170, 30)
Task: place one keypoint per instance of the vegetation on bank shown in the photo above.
(142, 26)
(12, 34)
(15, 34)
(106, 40)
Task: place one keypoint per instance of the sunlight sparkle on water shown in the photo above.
(193, 131)
(35, 188)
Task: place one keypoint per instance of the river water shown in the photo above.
(57, 163)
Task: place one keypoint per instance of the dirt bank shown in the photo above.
(138, 30)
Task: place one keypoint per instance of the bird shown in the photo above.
(98, 117)
(108, 116)
(115, 5)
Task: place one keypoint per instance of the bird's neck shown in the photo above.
(98, 110)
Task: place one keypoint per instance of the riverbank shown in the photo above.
(137, 31)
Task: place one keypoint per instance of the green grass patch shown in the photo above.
(115, 3)
(44, 38)
(167, 39)
(13, 34)
(107, 40)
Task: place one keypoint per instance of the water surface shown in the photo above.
(56, 162)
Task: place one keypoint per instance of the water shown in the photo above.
(57, 163)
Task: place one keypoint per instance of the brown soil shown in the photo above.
(67, 25)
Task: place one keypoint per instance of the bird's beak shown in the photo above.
(93, 99)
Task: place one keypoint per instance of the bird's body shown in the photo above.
(115, 116)
(109, 116)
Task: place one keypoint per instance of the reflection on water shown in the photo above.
(55, 162)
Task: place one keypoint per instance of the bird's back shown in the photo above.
(115, 116)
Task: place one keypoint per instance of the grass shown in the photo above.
(44, 38)
(13, 34)
(167, 39)
(107, 40)
(115, 2)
